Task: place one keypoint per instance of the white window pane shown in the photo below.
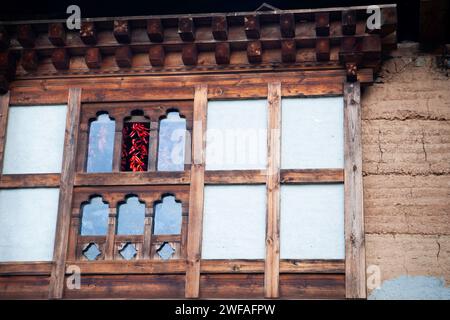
(236, 135)
(312, 133)
(27, 224)
(35, 139)
(234, 222)
(312, 222)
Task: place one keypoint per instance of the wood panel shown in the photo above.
(132, 178)
(236, 286)
(312, 266)
(4, 107)
(139, 286)
(29, 180)
(131, 267)
(194, 240)
(312, 286)
(24, 287)
(65, 196)
(25, 268)
(235, 177)
(355, 264)
(298, 176)
(272, 266)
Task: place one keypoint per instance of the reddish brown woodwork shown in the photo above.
(323, 49)
(4, 84)
(254, 52)
(57, 34)
(371, 47)
(351, 50)
(287, 25)
(156, 56)
(123, 57)
(155, 30)
(186, 29)
(26, 35)
(7, 69)
(29, 60)
(252, 27)
(322, 24)
(88, 33)
(222, 53)
(122, 31)
(93, 58)
(4, 38)
(61, 59)
(348, 22)
(288, 51)
(219, 27)
(189, 54)
(352, 70)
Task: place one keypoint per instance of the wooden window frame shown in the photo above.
(278, 277)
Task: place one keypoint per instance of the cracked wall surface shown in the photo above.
(406, 167)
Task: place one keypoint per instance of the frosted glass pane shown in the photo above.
(27, 224)
(168, 216)
(312, 222)
(172, 142)
(312, 133)
(131, 217)
(236, 135)
(234, 222)
(35, 139)
(101, 144)
(94, 218)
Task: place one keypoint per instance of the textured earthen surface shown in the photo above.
(406, 167)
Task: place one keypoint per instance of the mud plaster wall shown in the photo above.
(406, 167)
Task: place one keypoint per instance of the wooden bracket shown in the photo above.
(254, 52)
(156, 55)
(348, 22)
(26, 35)
(155, 30)
(288, 51)
(123, 57)
(93, 58)
(323, 49)
(352, 71)
(322, 24)
(122, 31)
(61, 59)
(252, 27)
(219, 27)
(189, 54)
(4, 38)
(186, 29)
(88, 33)
(57, 34)
(222, 53)
(287, 25)
(29, 60)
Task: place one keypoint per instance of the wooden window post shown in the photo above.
(355, 264)
(272, 263)
(56, 287)
(4, 106)
(194, 240)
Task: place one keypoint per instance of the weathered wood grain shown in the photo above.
(9, 181)
(4, 107)
(298, 176)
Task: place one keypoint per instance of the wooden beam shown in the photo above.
(288, 51)
(26, 35)
(155, 30)
(131, 178)
(351, 50)
(88, 33)
(4, 38)
(25, 268)
(196, 193)
(299, 176)
(222, 53)
(371, 48)
(156, 55)
(355, 264)
(35, 180)
(252, 27)
(254, 52)
(219, 28)
(61, 59)
(8, 64)
(57, 34)
(322, 24)
(122, 31)
(235, 177)
(323, 49)
(352, 71)
(186, 29)
(287, 25)
(312, 266)
(4, 108)
(348, 22)
(123, 57)
(272, 261)
(4, 84)
(29, 60)
(57, 280)
(93, 58)
(189, 54)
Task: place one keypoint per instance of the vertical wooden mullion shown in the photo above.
(272, 261)
(117, 152)
(147, 245)
(355, 274)
(56, 287)
(196, 194)
(4, 107)
(111, 236)
(153, 146)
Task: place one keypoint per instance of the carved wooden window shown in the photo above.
(101, 144)
(135, 143)
(172, 143)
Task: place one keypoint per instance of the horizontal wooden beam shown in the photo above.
(9, 181)
(235, 177)
(295, 176)
(131, 178)
(312, 266)
(131, 267)
(25, 268)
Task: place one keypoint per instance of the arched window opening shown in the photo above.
(168, 216)
(135, 142)
(101, 144)
(172, 142)
(94, 219)
(131, 215)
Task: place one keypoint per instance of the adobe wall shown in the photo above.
(406, 167)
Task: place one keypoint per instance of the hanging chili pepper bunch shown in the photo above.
(135, 146)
